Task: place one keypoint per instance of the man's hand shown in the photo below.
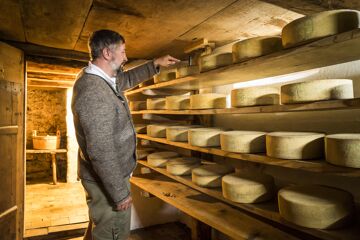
(125, 204)
(165, 61)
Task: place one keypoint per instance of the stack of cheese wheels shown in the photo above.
(313, 27)
(155, 103)
(317, 90)
(157, 130)
(140, 128)
(248, 187)
(207, 101)
(187, 71)
(295, 145)
(165, 75)
(343, 149)
(177, 102)
(144, 152)
(159, 159)
(210, 175)
(182, 166)
(137, 105)
(316, 206)
(204, 137)
(253, 96)
(243, 141)
(212, 61)
(255, 47)
(178, 133)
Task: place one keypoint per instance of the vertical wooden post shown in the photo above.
(53, 160)
(199, 230)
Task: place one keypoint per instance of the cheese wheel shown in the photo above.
(144, 152)
(327, 89)
(295, 145)
(177, 102)
(137, 105)
(178, 133)
(316, 206)
(207, 100)
(187, 71)
(212, 61)
(182, 166)
(157, 130)
(210, 175)
(140, 128)
(248, 187)
(165, 75)
(255, 47)
(204, 137)
(323, 24)
(254, 96)
(343, 149)
(159, 159)
(155, 103)
(243, 141)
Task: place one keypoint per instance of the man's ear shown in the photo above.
(106, 53)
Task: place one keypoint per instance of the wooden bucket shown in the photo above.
(46, 142)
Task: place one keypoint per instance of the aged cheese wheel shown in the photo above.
(144, 152)
(317, 90)
(323, 24)
(248, 187)
(254, 96)
(210, 175)
(182, 166)
(243, 141)
(165, 75)
(159, 159)
(178, 133)
(343, 149)
(157, 130)
(140, 128)
(177, 102)
(137, 105)
(204, 137)
(316, 206)
(255, 47)
(207, 100)
(295, 145)
(155, 103)
(212, 61)
(187, 71)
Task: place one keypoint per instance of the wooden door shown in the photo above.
(12, 122)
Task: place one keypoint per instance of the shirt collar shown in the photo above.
(93, 69)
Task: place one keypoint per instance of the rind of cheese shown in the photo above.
(140, 128)
(187, 71)
(204, 137)
(155, 103)
(177, 102)
(159, 159)
(137, 105)
(255, 96)
(213, 61)
(316, 206)
(157, 130)
(295, 145)
(343, 149)
(243, 141)
(317, 90)
(178, 133)
(207, 101)
(144, 152)
(182, 166)
(165, 75)
(210, 175)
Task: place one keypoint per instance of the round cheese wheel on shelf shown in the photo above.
(159, 159)
(155, 103)
(187, 71)
(316, 206)
(144, 152)
(157, 130)
(295, 145)
(254, 96)
(210, 175)
(177, 102)
(248, 187)
(255, 47)
(343, 149)
(182, 166)
(137, 105)
(207, 101)
(165, 75)
(178, 133)
(213, 61)
(140, 128)
(204, 137)
(243, 141)
(319, 25)
(317, 90)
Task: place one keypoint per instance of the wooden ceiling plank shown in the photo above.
(11, 27)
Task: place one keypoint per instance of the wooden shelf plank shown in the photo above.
(46, 151)
(332, 50)
(318, 166)
(315, 106)
(208, 210)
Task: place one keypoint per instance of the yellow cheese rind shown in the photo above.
(316, 206)
(165, 75)
(178, 133)
(255, 96)
(210, 175)
(248, 187)
(159, 159)
(182, 166)
(343, 149)
(295, 145)
(140, 128)
(209, 62)
(144, 152)
(255, 47)
(187, 71)
(137, 105)
(207, 101)
(204, 137)
(323, 24)
(156, 130)
(155, 103)
(177, 102)
(317, 90)
(243, 141)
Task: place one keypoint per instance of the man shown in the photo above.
(105, 132)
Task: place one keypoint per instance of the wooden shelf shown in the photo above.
(46, 151)
(328, 51)
(218, 215)
(315, 106)
(268, 210)
(318, 166)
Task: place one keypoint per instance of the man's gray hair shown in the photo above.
(103, 39)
